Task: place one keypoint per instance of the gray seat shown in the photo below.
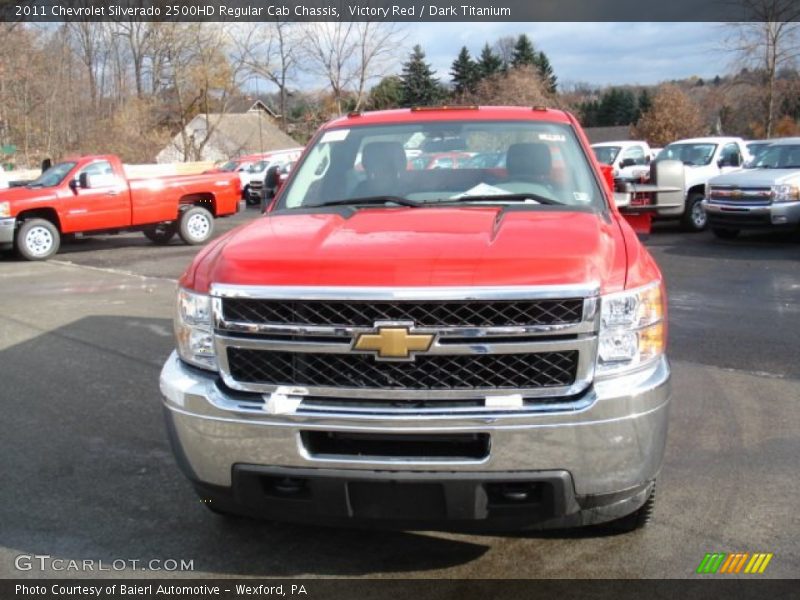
(384, 162)
(529, 162)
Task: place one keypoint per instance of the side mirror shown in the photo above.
(627, 162)
(722, 162)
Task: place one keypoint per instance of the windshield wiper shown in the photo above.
(370, 200)
(503, 198)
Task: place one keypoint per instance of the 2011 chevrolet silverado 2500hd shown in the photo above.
(440, 348)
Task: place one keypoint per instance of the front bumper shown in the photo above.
(737, 215)
(593, 463)
(7, 231)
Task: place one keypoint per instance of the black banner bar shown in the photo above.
(399, 10)
(704, 587)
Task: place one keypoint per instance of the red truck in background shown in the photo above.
(91, 194)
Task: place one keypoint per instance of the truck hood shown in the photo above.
(18, 195)
(757, 177)
(460, 246)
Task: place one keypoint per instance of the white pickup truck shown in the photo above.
(703, 159)
(630, 159)
(256, 173)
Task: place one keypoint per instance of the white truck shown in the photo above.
(630, 159)
(703, 159)
(258, 171)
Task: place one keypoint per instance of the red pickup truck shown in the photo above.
(467, 347)
(91, 194)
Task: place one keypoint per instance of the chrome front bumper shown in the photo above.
(739, 214)
(609, 441)
(7, 231)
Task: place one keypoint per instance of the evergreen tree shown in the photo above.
(420, 87)
(617, 107)
(464, 72)
(388, 93)
(489, 63)
(524, 53)
(545, 69)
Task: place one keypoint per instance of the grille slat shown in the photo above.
(423, 314)
(431, 372)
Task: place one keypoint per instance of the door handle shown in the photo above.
(112, 193)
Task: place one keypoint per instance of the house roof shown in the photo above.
(244, 133)
(244, 105)
(608, 134)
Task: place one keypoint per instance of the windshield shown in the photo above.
(689, 154)
(259, 166)
(756, 148)
(373, 161)
(606, 154)
(778, 156)
(230, 166)
(53, 176)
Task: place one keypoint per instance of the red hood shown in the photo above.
(19, 195)
(473, 246)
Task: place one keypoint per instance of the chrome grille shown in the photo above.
(423, 314)
(427, 372)
(750, 195)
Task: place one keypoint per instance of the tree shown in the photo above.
(521, 86)
(387, 94)
(768, 41)
(420, 87)
(672, 116)
(644, 102)
(524, 53)
(489, 63)
(464, 72)
(546, 72)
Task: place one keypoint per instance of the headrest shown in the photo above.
(378, 156)
(530, 159)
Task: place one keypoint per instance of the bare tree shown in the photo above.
(768, 42)
(269, 52)
(329, 49)
(376, 46)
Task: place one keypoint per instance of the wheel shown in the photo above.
(637, 519)
(694, 216)
(246, 195)
(161, 234)
(725, 234)
(37, 239)
(196, 225)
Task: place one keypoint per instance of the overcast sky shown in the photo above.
(597, 53)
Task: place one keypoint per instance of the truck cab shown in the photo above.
(629, 159)
(703, 159)
(457, 348)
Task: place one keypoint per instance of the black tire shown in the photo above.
(637, 519)
(37, 239)
(161, 234)
(694, 217)
(246, 195)
(724, 233)
(196, 226)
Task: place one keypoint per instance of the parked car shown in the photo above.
(765, 195)
(427, 348)
(91, 194)
(257, 171)
(703, 159)
(240, 165)
(630, 159)
(756, 147)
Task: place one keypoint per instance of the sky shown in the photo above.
(595, 53)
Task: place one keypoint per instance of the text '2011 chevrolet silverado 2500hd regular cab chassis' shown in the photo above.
(448, 348)
(91, 194)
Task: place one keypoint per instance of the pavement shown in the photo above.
(89, 476)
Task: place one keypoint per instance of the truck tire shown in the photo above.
(196, 225)
(37, 239)
(246, 195)
(694, 216)
(724, 233)
(161, 234)
(637, 519)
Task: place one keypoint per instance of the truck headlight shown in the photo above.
(785, 193)
(5, 210)
(194, 330)
(632, 329)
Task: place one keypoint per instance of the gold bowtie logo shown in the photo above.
(393, 342)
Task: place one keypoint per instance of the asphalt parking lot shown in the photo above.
(88, 474)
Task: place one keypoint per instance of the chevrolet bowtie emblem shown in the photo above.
(393, 342)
